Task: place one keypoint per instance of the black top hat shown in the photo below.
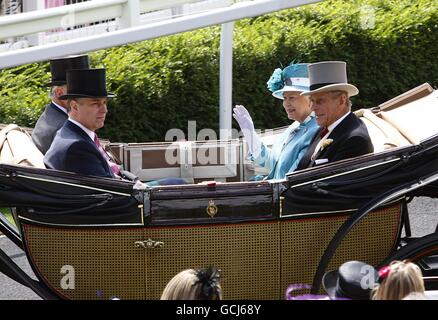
(86, 83)
(353, 279)
(59, 67)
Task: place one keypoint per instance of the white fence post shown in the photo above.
(31, 5)
(131, 14)
(226, 80)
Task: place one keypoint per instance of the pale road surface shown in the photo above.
(423, 213)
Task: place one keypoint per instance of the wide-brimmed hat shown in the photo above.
(329, 76)
(86, 83)
(354, 280)
(293, 78)
(59, 67)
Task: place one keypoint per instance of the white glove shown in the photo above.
(247, 126)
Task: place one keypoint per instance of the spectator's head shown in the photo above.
(353, 280)
(288, 84)
(329, 91)
(191, 284)
(397, 280)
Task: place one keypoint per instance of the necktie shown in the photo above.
(114, 167)
(317, 143)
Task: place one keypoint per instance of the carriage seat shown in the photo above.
(17, 148)
(402, 125)
(383, 135)
(195, 161)
(415, 120)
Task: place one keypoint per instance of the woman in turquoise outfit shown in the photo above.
(291, 146)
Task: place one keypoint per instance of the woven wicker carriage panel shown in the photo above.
(247, 254)
(106, 263)
(304, 241)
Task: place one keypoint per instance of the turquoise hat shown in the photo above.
(293, 78)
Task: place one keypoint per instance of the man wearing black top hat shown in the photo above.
(342, 134)
(76, 147)
(55, 113)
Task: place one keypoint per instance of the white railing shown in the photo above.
(127, 12)
(94, 17)
(153, 30)
(60, 17)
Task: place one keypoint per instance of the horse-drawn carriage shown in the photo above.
(95, 238)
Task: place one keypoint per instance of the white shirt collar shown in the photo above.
(330, 129)
(60, 107)
(334, 124)
(90, 133)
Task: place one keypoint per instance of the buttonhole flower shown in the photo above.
(326, 143)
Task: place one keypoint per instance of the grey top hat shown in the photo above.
(354, 280)
(329, 76)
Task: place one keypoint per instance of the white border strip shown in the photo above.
(316, 213)
(74, 185)
(338, 211)
(344, 173)
(81, 225)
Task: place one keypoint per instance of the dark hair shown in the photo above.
(209, 279)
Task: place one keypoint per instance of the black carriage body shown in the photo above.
(128, 243)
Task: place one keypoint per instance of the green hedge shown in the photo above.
(163, 83)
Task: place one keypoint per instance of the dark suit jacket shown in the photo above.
(73, 150)
(350, 139)
(50, 121)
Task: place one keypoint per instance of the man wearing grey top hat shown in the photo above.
(342, 134)
(55, 113)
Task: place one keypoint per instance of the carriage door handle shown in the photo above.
(148, 244)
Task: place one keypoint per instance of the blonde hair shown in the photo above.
(191, 284)
(402, 279)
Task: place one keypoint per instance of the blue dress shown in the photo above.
(288, 150)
